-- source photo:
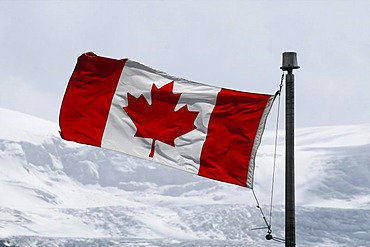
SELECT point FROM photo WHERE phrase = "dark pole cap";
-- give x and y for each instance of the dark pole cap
(289, 61)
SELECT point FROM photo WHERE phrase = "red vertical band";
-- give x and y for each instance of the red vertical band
(231, 132)
(87, 100)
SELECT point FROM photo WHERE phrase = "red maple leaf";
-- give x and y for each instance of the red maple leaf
(159, 120)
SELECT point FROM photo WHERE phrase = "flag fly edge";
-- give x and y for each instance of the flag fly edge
(87, 100)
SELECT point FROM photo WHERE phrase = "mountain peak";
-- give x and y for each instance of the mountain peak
(17, 126)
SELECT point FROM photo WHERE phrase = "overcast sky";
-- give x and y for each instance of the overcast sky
(232, 44)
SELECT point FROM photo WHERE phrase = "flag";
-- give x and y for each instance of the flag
(122, 105)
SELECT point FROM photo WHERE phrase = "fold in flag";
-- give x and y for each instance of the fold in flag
(125, 106)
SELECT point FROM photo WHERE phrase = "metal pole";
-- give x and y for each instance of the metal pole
(289, 64)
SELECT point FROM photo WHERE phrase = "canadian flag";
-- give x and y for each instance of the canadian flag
(128, 107)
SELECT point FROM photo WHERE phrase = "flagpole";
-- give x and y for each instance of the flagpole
(289, 63)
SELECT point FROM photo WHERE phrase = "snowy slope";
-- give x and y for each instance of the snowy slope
(332, 166)
(69, 194)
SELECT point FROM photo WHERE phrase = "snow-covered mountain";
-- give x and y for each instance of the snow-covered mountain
(58, 193)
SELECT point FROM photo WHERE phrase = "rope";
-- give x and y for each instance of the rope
(275, 146)
(263, 215)
(269, 224)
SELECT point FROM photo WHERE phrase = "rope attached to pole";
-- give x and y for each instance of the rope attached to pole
(275, 145)
(269, 223)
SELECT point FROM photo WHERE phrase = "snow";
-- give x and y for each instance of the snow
(17, 127)
(58, 193)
